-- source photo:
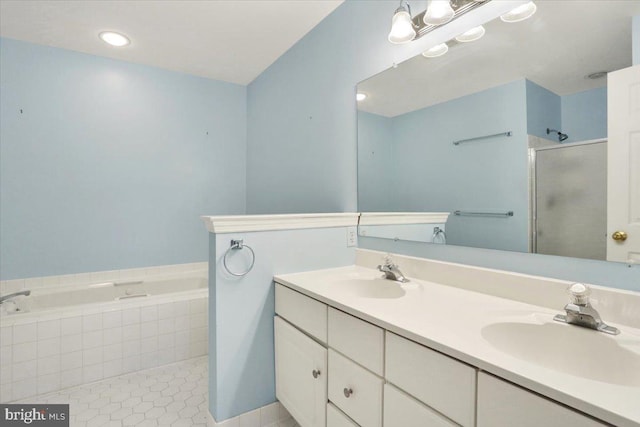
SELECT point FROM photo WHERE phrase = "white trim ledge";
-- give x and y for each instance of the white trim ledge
(385, 218)
(244, 223)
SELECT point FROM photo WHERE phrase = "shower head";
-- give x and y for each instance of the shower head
(561, 136)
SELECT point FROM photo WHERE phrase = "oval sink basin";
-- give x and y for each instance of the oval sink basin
(569, 349)
(372, 288)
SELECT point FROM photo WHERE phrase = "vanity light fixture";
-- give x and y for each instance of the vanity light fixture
(402, 30)
(361, 96)
(406, 28)
(114, 39)
(438, 12)
(520, 13)
(437, 50)
(471, 35)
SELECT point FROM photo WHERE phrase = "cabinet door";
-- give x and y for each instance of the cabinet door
(401, 410)
(501, 404)
(301, 375)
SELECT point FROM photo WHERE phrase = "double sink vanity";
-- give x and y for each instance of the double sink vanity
(454, 346)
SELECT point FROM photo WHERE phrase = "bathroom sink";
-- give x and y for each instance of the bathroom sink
(570, 349)
(372, 288)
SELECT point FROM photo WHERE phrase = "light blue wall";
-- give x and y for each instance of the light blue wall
(584, 115)
(543, 111)
(636, 39)
(376, 189)
(488, 175)
(241, 365)
(108, 165)
(302, 132)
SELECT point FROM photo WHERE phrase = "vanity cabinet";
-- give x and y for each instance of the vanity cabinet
(301, 369)
(336, 370)
(439, 381)
(502, 404)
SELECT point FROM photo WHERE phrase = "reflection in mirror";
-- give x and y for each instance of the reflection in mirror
(507, 133)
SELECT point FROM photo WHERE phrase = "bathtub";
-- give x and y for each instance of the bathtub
(115, 293)
(65, 336)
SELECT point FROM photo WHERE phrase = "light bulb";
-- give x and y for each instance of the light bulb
(437, 50)
(520, 13)
(471, 35)
(361, 96)
(402, 30)
(114, 39)
(439, 12)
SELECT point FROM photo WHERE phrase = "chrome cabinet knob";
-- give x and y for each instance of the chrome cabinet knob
(347, 392)
(315, 373)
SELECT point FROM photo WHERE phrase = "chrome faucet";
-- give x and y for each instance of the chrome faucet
(13, 295)
(581, 313)
(392, 271)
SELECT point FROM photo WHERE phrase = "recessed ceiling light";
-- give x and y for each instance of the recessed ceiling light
(361, 96)
(471, 35)
(437, 50)
(114, 39)
(520, 13)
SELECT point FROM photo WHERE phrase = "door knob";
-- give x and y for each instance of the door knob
(619, 236)
(315, 373)
(347, 392)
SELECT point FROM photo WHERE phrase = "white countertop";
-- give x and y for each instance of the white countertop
(451, 320)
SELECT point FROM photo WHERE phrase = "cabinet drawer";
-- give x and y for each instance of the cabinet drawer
(501, 404)
(357, 339)
(402, 410)
(364, 403)
(301, 372)
(304, 312)
(441, 382)
(335, 418)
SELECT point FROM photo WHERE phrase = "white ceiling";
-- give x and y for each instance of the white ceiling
(563, 42)
(233, 41)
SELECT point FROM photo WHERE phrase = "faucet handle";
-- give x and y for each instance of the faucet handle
(579, 293)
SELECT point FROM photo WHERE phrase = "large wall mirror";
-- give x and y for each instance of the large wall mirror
(507, 133)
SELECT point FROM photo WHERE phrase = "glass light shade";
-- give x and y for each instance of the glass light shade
(437, 50)
(471, 35)
(402, 30)
(361, 96)
(520, 13)
(439, 12)
(114, 39)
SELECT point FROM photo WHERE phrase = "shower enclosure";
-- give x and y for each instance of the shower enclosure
(569, 199)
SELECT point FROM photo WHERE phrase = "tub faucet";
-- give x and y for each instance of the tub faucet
(581, 313)
(13, 295)
(392, 271)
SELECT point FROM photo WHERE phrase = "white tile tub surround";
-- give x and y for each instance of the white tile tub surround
(273, 415)
(49, 351)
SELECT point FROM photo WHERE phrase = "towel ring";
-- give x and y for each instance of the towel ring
(238, 245)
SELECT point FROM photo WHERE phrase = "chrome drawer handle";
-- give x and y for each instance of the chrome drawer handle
(347, 392)
(315, 373)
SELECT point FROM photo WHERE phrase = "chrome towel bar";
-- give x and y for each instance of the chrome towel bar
(467, 213)
(477, 138)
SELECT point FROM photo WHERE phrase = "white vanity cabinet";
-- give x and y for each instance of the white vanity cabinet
(336, 370)
(301, 356)
(501, 404)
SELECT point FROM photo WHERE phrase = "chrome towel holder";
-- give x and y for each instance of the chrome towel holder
(238, 245)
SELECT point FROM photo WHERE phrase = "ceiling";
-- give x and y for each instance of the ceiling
(233, 41)
(556, 48)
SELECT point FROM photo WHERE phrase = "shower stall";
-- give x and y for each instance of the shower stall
(568, 203)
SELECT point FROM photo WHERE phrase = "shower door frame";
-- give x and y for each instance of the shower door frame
(533, 231)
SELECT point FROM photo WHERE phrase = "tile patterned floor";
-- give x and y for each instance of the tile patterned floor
(172, 395)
